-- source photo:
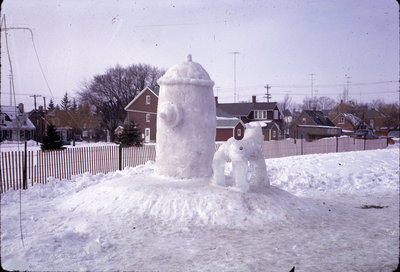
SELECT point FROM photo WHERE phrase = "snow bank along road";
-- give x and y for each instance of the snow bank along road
(326, 212)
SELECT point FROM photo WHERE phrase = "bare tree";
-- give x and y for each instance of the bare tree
(112, 91)
(325, 103)
(286, 104)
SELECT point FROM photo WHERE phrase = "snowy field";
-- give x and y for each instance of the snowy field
(325, 212)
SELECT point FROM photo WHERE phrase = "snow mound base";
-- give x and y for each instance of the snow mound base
(189, 203)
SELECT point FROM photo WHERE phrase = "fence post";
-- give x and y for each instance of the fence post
(365, 142)
(301, 141)
(24, 169)
(120, 157)
(337, 144)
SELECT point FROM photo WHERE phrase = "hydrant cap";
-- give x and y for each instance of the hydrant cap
(188, 72)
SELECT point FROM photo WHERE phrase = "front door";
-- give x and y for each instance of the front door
(147, 135)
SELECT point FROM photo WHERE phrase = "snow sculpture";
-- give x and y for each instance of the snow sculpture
(244, 154)
(186, 123)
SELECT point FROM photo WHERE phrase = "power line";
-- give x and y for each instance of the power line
(304, 86)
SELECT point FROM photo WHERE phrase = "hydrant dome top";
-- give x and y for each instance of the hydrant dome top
(188, 72)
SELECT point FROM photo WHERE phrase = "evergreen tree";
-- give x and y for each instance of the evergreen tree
(51, 105)
(131, 135)
(52, 140)
(66, 102)
(74, 106)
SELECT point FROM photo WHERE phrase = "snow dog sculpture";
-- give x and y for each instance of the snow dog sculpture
(244, 154)
(186, 123)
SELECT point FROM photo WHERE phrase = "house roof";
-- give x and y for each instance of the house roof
(227, 123)
(352, 118)
(319, 118)
(156, 92)
(11, 122)
(244, 109)
(373, 114)
(10, 110)
(221, 113)
(265, 124)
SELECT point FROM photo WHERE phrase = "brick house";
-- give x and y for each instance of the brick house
(375, 120)
(347, 122)
(228, 126)
(255, 111)
(38, 119)
(82, 124)
(312, 125)
(143, 111)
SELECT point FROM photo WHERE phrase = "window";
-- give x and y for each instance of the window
(255, 114)
(303, 121)
(276, 115)
(274, 134)
(239, 132)
(341, 120)
(147, 117)
(147, 99)
(259, 114)
(371, 123)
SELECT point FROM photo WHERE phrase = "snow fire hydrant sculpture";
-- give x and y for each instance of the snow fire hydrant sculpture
(244, 154)
(186, 123)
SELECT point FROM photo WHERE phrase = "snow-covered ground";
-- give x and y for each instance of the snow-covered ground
(325, 212)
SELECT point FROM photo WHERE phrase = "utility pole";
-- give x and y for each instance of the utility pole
(10, 77)
(34, 97)
(267, 95)
(217, 89)
(235, 94)
(36, 118)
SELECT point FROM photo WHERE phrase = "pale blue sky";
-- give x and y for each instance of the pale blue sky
(280, 43)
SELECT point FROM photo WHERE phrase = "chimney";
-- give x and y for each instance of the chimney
(253, 98)
(314, 109)
(216, 100)
(341, 101)
(21, 107)
(40, 108)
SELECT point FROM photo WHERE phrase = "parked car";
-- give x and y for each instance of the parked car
(365, 133)
(394, 134)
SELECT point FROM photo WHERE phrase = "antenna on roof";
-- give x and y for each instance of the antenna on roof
(267, 95)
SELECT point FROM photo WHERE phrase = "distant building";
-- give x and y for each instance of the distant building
(228, 126)
(38, 119)
(267, 112)
(348, 122)
(15, 124)
(375, 120)
(143, 111)
(312, 125)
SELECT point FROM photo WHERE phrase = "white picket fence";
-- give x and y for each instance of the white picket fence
(24, 169)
